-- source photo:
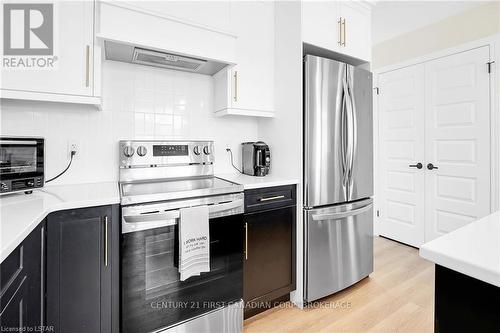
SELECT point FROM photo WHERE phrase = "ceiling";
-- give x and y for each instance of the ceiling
(394, 18)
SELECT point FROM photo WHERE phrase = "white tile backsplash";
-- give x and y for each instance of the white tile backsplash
(138, 103)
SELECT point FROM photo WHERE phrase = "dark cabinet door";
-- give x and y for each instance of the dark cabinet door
(21, 285)
(15, 314)
(269, 269)
(79, 269)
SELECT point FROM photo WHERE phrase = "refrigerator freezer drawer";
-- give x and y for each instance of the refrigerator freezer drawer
(339, 247)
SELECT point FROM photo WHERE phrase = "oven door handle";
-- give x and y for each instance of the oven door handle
(18, 142)
(143, 218)
(168, 218)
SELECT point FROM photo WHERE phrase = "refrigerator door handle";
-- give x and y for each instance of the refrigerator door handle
(353, 125)
(345, 136)
(341, 215)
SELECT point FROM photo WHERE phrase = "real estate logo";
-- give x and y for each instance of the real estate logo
(28, 36)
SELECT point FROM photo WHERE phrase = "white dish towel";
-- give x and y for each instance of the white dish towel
(194, 242)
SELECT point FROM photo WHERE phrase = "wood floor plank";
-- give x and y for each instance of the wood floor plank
(397, 297)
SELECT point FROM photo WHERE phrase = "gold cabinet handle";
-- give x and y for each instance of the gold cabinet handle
(105, 241)
(246, 241)
(235, 97)
(340, 31)
(87, 65)
(272, 198)
(344, 31)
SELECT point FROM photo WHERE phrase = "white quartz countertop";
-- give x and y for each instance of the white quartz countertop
(20, 213)
(472, 250)
(251, 182)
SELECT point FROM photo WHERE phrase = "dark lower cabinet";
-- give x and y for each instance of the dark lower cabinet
(82, 270)
(269, 266)
(21, 285)
(464, 304)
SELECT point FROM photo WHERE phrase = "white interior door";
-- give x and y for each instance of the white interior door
(457, 141)
(401, 142)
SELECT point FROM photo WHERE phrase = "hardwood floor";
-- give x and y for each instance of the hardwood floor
(397, 297)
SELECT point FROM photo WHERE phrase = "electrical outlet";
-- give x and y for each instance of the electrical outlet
(73, 146)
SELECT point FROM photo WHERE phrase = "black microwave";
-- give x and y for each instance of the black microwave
(22, 164)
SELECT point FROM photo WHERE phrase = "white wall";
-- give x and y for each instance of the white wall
(284, 132)
(139, 103)
(394, 18)
(469, 25)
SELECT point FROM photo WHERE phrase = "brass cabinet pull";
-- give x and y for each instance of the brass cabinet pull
(344, 37)
(87, 66)
(246, 241)
(235, 97)
(105, 241)
(340, 31)
(272, 198)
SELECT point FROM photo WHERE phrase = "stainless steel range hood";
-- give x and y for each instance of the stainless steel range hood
(150, 57)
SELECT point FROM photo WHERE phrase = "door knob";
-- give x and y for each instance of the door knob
(418, 165)
(431, 166)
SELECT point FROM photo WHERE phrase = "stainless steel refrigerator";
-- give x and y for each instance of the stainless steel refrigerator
(338, 176)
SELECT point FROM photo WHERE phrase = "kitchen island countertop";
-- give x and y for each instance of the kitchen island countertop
(473, 250)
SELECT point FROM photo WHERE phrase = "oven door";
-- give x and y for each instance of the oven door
(153, 297)
(21, 158)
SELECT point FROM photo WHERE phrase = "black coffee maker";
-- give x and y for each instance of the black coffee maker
(256, 158)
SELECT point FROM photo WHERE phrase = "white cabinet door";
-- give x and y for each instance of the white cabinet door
(356, 29)
(254, 72)
(457, 141)
(320, 24)
(213, 14)
(73, 46)
(248, 87)
(401, 142)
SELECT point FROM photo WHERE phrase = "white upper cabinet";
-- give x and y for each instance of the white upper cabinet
(248, 87)
(321, 24)
(339, 26)
(211, 14)
(157, 26)
(76, 71)
(356, 20)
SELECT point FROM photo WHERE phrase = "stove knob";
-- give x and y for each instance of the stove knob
(128, 151)
(142, 151)
(3, 187)
(196, 150)
(206, 150)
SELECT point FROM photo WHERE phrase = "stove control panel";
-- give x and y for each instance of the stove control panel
(135, 153)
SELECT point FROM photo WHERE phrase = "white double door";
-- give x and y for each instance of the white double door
(438, 113)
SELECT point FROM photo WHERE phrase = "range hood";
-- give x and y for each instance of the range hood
(156, 58)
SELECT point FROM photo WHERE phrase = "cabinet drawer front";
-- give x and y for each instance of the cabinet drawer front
(269, 197)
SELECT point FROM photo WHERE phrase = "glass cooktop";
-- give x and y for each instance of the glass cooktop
(157, 190)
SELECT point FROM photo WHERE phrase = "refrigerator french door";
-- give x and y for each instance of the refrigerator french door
(338, 175)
